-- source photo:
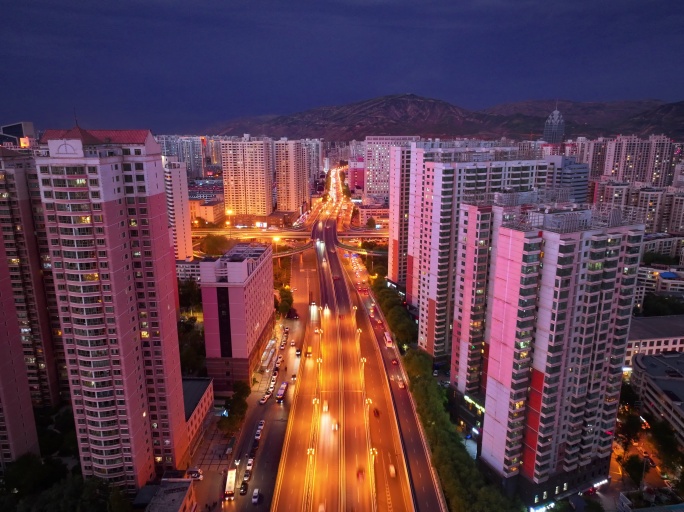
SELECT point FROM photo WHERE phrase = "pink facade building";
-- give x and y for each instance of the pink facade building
(237, 299)
(17, 426)
(541, 325)
(106, 218)
(427, 181)
(23, 233)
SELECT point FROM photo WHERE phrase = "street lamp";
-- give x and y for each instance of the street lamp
(229, 212)
(276, 239)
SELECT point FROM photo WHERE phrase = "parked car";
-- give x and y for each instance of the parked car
(250, 464)
(247, 476)
(262, 423)
(243, 488)
(263, 400)
(401, 384)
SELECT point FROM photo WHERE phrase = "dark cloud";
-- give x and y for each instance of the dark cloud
(181, 66)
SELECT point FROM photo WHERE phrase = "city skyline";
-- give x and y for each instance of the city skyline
(248, 60)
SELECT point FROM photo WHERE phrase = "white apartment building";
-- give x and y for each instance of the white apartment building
(557, 281)
(378, 163)
(439, 178)
(247, 165)
(292, 176)
(178, 207)
(653, 335)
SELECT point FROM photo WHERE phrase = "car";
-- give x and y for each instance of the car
(401, 384)
(292, 343)
(279, 358)
(298, 352)
(325, 406)
(376, 412)
(335, 425)
(257, 436)
(282, 345)
(250, 464)
(392, 471)
(195, 474)
(287, 329)
(244, 486)
(261, 423)
(255, 497)
(336, 278)
(294, 376)
(264, 399)
(435, 373)
(650, 462)
(275, 372)
(247, 476)
(278, 363)
(268, 394)
(395, 362)
(360, 473)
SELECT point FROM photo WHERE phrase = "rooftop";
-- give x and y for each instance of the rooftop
(97, 137)
(241, 252)
(170, 496)
(193, 391)
(653, 327)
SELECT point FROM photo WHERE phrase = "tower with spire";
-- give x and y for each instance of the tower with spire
(554, 128)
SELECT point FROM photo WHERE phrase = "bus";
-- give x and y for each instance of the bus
(280, 395)
(388, 340)
(229, 492)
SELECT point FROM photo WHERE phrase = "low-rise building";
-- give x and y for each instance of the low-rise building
(198, 399)
(237, 299)
(653, 335)
(659, 382)
(660, 279)
(186, 270)
(378, 213)
(211, 210)
(172, 495)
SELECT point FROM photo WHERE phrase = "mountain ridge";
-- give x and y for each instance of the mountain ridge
(410, 114)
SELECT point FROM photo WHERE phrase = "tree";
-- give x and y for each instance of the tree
(30, 475)
(371, 223)
(628, 431)
(635, 468)
(656, 305)
(666, 444)
(216, 245)
(189, 294)
(654, 257)
(628, 396)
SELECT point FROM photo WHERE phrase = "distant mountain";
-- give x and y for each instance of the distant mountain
(408, 114)
(593, 113)
(667, 119)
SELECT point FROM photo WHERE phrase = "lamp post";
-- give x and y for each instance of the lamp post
(229, 213)
(276, 239)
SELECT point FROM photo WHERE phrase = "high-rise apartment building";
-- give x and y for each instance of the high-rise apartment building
(104, 199)
(542, 320)
(291, 175)
(378, 162)
(20, 204)
(554, 128)
(635, 160)
(21, 348)
(178, 206)
(189, 149)
(313, 158)
(565, 172)
(247, 165)
(435, 176)
(237, 299)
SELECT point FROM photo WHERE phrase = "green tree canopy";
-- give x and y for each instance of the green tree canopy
(370, 224)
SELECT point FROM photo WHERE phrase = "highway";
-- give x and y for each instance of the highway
(338, 454)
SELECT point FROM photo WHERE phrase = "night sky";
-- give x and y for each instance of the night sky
(183, 66)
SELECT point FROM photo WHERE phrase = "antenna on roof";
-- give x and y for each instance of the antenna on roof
(76, 118)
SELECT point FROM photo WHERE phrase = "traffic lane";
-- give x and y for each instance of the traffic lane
(419, 463)
(384, 431)
(294, 457)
